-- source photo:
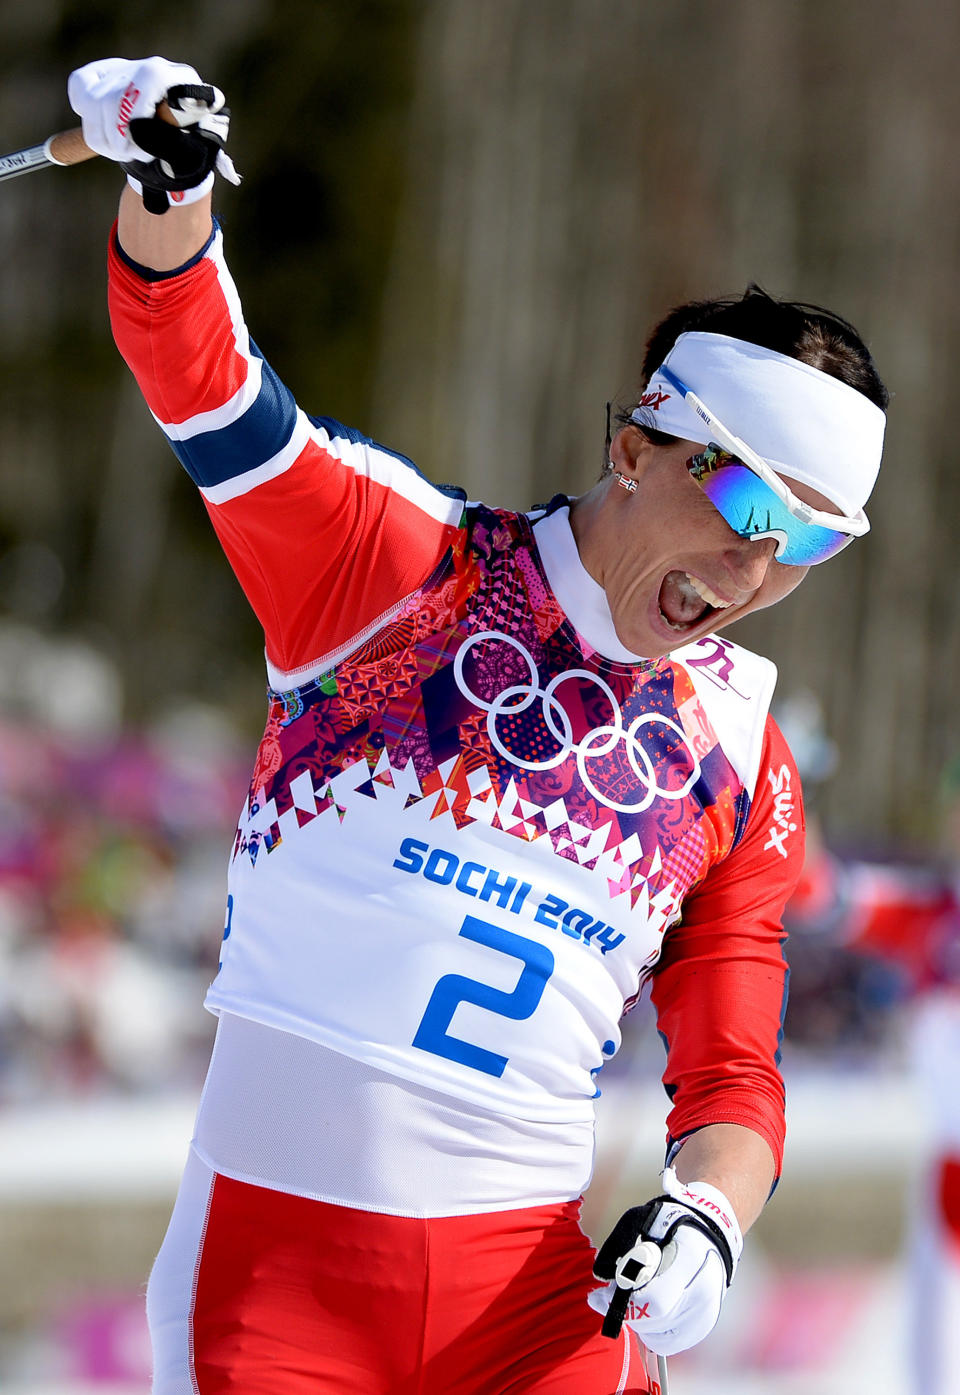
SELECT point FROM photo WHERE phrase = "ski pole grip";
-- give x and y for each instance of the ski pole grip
(70, 148)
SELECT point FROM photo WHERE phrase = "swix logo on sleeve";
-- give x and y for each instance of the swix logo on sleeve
(125, 110)
(784, 808)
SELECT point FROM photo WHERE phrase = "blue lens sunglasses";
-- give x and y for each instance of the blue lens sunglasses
(755, 501)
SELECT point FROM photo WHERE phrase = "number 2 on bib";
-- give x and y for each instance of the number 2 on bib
(454, 989)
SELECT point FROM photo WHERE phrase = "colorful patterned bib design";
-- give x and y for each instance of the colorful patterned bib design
(478, 698)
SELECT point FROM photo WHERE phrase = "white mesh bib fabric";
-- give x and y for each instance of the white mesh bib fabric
(284, 1112)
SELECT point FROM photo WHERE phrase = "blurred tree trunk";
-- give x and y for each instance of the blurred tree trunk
(508, 318)
(575, 168)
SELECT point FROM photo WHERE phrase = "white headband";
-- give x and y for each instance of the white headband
(806, 424)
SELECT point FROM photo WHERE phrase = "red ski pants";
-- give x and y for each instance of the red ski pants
(264, 1293)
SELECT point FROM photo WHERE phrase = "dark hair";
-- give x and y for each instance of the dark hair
(806, 332)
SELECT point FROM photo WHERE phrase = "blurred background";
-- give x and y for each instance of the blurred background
(459, 219)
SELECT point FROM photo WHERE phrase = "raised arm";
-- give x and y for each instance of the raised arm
(167, 242)
(327, 532)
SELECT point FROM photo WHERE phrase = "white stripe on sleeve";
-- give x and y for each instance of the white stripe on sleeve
(270, 469)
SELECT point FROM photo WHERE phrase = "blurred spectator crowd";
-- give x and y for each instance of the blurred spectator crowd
(869, 935)
(113, 848)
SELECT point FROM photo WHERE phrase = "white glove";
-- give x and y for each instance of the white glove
(109, 93)
(669, 1264)
(117, 99)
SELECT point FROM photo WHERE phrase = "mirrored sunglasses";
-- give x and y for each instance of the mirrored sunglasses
(755, 501)
(752, 509)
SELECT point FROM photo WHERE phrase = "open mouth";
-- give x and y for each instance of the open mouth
(686, 601)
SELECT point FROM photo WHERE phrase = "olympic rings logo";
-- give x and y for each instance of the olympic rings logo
(519, 697)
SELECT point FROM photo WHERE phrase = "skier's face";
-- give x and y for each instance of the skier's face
(673, 570)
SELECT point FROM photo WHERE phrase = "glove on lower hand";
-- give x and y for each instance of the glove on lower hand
(668, 1264)
(117, 100)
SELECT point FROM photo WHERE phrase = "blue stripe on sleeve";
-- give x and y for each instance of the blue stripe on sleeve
(214, 457)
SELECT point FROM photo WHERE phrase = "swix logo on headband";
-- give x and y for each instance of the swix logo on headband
(654, 399)
(125, 110)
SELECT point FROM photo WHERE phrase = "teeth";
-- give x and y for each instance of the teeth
(679, 628)
(704, 592)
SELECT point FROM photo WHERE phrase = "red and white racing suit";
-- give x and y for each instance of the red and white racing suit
(476, 826)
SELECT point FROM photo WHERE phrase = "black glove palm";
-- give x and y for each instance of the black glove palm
(183, 155)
